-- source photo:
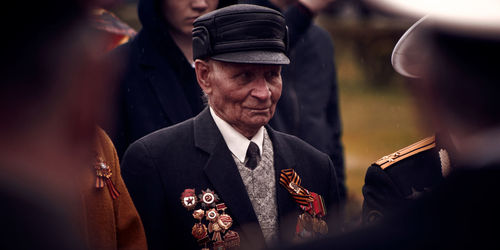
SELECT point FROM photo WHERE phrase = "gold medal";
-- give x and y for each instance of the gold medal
(212, 215)
(199, 214)
(225, 221)
(307, 221)
(231, 239)
(199, 231)
(216, 229)
(103, 173)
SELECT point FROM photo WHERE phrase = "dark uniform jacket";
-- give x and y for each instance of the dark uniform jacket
(461, 213)
(397, 179)
(193, 154)
(309, 104)
(159, 87)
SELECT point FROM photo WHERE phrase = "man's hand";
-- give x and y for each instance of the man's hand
(315, 6)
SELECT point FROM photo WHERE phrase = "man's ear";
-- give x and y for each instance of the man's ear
(203, 70)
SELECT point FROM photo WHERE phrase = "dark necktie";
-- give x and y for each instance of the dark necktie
(252, 155)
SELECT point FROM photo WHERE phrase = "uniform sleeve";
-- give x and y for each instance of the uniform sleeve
(144, 184)
(380, 194)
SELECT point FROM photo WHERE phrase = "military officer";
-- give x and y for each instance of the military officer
(395, 180)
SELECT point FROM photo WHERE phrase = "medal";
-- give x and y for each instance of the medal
(225, 221)
(199, 214)
(217, 234)
(219, 245)
(199, 231)
(103, 173)
(208, 198)
(231, 239)
(310, 222)
(188, 199)
(212, 215)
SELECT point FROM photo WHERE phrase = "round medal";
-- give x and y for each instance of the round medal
(212, 215)
(231, 239)
(307, 221)
(199, 231)
(225, 221)
(188, 199)
(208, 198)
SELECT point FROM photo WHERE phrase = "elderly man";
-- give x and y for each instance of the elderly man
(226, 162)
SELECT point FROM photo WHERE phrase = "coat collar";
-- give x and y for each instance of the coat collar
(223, 173)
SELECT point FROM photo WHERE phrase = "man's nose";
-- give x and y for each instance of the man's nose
(200, 5)
(261, 90)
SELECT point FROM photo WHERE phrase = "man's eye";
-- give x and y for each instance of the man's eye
(272, 75)
(245, 76)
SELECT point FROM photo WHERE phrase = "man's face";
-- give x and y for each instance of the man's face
(180, 14)
(244, 95)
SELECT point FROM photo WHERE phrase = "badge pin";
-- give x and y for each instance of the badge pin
(189, 199)
(208, 198)
(103, 177)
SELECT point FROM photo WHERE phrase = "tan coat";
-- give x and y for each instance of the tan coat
(110, 224)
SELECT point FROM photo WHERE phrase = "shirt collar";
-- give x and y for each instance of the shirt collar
(235, 141)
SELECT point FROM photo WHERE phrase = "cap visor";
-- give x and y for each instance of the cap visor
(253, 57)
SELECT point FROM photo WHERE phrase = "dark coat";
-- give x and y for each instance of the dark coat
(193, 154)
(159, 87)
(462, 213)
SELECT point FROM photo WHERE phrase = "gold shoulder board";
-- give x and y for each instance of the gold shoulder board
(415, 148)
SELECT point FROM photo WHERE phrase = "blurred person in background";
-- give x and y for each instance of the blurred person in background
(111, 220)
(54, 86)
(454, 54)
(396, 180)
(159, 86)
(309, 105)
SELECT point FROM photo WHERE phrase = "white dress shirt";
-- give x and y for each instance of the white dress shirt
(235, 141)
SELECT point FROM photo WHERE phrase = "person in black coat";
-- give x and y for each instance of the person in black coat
(159, 87)
(241, 78)
(309, 104)
(454, 78)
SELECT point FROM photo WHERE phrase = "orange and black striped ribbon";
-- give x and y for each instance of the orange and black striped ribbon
(291, 181)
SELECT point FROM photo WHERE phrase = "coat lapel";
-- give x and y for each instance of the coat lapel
(287, 208)
(223, 173)
(165, 85)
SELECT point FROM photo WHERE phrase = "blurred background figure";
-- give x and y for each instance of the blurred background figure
(116, 31)
(396, 180)
(112, 221)
(55, 86)
(309, 104)
(159, 86)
